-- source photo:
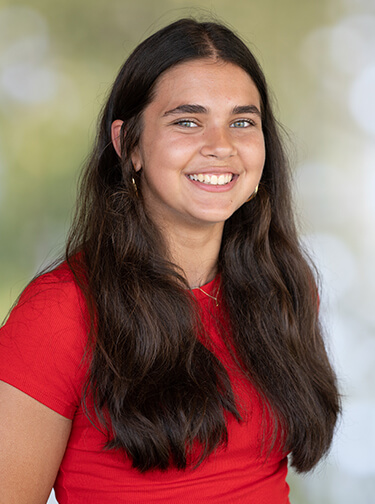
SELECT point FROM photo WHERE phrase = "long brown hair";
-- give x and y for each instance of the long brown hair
(156, 388)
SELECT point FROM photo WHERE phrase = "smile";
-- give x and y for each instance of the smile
(212, 179)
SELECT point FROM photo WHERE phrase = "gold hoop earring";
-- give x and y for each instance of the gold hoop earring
(253, 194)
(135, 187)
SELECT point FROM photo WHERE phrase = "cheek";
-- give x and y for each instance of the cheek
(255, 156)
(261, 148)
(263, 158)
(171, 156)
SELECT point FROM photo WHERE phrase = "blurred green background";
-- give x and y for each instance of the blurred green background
(57, 61)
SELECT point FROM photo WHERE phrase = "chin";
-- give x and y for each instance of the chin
(214, 218)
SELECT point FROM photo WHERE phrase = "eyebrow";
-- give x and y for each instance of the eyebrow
(246, 109)
(199, 109)
(187, 109)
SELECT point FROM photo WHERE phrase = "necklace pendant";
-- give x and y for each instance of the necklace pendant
(215, 298)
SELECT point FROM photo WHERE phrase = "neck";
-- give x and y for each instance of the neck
(196, 252)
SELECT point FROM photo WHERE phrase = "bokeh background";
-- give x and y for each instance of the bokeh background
(57, 61)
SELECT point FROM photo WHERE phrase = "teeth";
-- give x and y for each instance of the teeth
(212, 179)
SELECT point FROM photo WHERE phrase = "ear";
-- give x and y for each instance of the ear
(136, 159)
(116, 135)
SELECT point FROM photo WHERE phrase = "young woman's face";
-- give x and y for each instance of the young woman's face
(201, 150)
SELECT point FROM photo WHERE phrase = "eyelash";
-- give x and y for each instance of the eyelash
(183, 122)
(248, 121)
(193, 124)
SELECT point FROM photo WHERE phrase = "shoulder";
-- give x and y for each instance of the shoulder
(45, 339)
(56, 286)
(51, 305)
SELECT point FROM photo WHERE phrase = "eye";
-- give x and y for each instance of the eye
(242, 123)
(186, 123)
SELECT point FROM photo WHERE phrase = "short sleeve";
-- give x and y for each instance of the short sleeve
(43, 342)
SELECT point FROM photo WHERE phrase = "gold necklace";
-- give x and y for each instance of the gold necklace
(212, 297)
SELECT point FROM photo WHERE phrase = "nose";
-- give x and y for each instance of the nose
(218, 143)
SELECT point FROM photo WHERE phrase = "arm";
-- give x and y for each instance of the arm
(42, 346)
(33, 441)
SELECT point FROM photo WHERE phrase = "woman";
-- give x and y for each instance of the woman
(176, 355)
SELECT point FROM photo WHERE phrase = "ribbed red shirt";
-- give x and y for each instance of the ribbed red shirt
(41, 353)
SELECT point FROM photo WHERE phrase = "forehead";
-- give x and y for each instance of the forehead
(208, 80)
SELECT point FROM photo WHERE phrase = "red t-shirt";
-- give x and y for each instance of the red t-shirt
(42, 349)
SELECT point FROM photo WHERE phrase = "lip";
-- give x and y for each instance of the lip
(213, 188)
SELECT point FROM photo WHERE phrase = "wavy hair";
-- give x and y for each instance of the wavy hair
(157, 389)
